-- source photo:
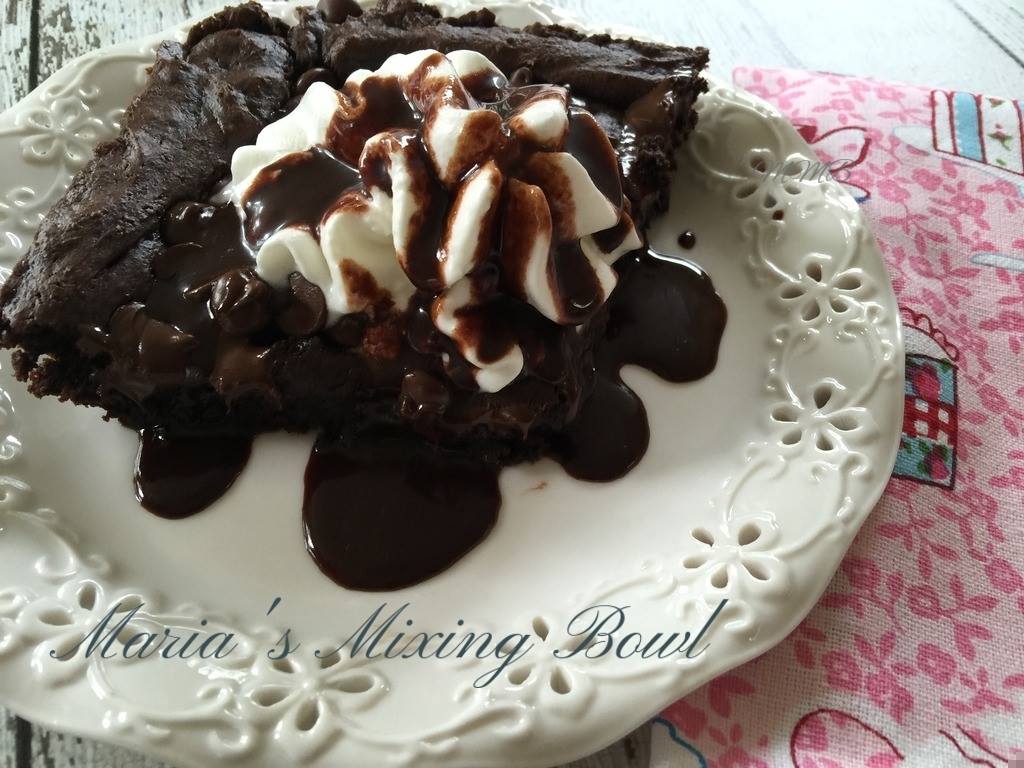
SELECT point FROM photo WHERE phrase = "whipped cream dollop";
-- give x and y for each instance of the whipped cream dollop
(433, 174)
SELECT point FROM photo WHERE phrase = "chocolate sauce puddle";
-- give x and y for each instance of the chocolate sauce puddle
(392, 511)
(664, 315)
(176, 477)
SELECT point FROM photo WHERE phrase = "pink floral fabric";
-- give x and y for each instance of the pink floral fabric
(915, 654)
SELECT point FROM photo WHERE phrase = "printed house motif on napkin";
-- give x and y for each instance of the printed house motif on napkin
(928, 447)
(984, 129)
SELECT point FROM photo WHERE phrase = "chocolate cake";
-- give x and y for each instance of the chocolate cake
(216, 272)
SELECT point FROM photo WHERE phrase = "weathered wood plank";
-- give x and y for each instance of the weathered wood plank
(67, 30)
(732, 29)
(927, 43)
(15, 735)
(7, 740)
(15, 37)
(1003, 23)
(56, 750)
(900, 41)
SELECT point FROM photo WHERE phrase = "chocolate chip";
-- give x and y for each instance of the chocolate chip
(181, 223)
(349, 330)
(240, 302)
(316, 75)
(423, 395)
(241, 369)
(152, 345)
(306, 310)
(336, 11)
(421, 332)
(522, 76)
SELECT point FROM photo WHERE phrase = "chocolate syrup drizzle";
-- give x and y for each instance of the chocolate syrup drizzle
(389, 507)
(296, 191)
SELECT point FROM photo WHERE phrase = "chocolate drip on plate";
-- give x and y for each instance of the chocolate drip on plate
(394, 511)
(664, 315)
(609, 435)
(176, 477)
(388, 502)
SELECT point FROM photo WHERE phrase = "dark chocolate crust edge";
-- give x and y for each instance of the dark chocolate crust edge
(94, 249)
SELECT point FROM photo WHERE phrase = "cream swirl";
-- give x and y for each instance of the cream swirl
(431, 174)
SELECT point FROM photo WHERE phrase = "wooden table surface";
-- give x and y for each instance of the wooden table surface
(973, 45)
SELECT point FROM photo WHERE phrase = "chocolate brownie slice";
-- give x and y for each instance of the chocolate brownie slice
(100, 311)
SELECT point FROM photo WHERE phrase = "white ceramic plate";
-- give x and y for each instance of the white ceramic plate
(756, 480)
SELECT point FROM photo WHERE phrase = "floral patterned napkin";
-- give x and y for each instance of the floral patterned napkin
(915, 654)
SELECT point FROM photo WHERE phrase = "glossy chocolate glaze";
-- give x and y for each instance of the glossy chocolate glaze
(338, 11)
(665, 316)
(174, 336)
(576, 285)
(587, 143)
(176, 477)
(381, 106)
(426, 227)
(315, 75)
(486, 86)
(392, 510)
(296, 191)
